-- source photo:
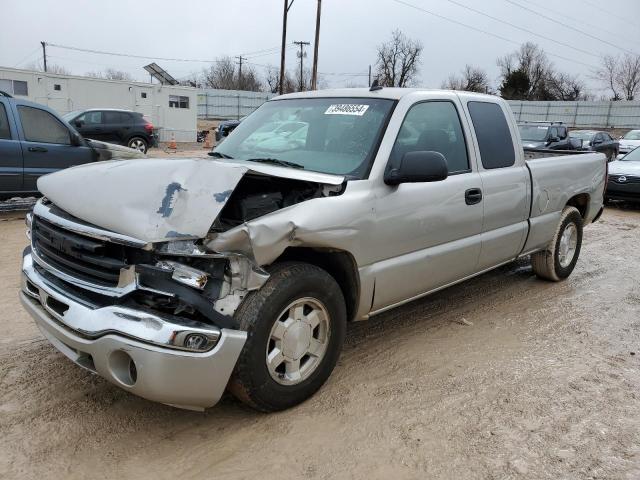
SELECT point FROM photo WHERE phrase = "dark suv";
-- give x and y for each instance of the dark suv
(115, 126)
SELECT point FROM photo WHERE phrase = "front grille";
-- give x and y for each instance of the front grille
(627, 179)
(85, 258)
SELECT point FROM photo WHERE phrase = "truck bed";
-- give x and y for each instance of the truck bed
(555, 179)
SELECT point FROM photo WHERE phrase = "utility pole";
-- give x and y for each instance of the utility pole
(301, 55)
(44, 54)
(240, 80)
(314, 73)
(369, 75)
(287, 6)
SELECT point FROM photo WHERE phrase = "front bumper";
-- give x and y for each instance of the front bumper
(123, 345)
(628, 191)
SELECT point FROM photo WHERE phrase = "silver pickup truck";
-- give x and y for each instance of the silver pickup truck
(179, 279)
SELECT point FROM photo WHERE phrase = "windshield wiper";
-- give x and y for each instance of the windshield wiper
(219, 155)
(276, 161)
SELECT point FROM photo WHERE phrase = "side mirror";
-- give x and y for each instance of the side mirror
(76, 139)
(78, 123)
(553, 140)
(421, 166)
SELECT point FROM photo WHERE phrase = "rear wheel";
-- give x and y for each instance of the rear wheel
(557, 261)
(138, 143)
(295, 328)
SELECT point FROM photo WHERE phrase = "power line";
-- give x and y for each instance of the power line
(569, 26)
(586, 24)
(505, 39)
(25, 58)
(128, 55)
(523, 29)
(608, 12)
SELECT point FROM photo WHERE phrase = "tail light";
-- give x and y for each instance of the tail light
(148, 127)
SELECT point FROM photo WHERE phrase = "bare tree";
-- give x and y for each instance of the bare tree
(621, 75)
(398, 61)
(220, 74)
(225, 74)
(111, 74)
(629, 75)
(608, 73)
(472, 79)
(563, 86)
(51, 68)
(528, 61)
(272, 80)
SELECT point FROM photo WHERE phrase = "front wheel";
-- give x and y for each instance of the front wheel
(295, 328)
(558, 260)
(138, 143)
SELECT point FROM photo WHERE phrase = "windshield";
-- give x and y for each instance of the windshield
(582, 135)
(70, 115)
(632, 135)
(632, 156)
(328, 135)
(533, 133)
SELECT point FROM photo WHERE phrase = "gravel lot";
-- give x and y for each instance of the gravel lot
(504, 376)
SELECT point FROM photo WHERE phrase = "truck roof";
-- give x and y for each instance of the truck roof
(392, 93)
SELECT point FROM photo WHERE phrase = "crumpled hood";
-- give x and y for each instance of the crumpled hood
(157, 200)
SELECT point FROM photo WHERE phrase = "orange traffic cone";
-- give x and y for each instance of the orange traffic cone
(172, 144)
(207, 140)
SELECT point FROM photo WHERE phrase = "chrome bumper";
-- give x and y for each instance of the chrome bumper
(134, 350)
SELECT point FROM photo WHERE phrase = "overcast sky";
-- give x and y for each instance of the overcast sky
(350, 31)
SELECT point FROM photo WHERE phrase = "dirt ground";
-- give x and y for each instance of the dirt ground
(502, 377)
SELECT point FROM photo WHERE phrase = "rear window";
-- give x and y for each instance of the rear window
(494, 137)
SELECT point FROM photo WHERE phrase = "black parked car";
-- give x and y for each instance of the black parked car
(593, 139)
(547, 136)
(123, 127)
(225, 128)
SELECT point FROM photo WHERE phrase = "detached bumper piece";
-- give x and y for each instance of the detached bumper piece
(157, 357)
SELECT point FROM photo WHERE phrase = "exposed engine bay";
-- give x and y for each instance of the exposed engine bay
(259, 195)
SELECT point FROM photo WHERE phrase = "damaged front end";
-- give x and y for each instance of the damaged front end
(126, 278)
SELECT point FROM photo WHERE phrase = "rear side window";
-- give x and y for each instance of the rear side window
(432, 126)
(494, 137)
(40, 126)
(112, 118)
(5, 131)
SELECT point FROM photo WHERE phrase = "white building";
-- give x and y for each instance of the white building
(173, 110)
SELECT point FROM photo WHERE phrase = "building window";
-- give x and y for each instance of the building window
(143, 94)
(14, 87)
(178, 102)
(56, 86)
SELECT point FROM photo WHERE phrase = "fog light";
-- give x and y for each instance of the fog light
(196, 341)
(184, 274)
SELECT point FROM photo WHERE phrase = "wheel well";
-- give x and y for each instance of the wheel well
(581, 202)
(338, 263)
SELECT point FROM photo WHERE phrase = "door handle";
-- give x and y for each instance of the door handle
(38, 149)
(473, 196)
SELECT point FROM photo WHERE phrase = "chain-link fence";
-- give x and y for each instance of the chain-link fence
(620, 114)
(229, 104)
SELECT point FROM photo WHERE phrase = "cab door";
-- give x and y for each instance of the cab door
(10, 151)
(46, 145)
(505, 183)
(430, 232)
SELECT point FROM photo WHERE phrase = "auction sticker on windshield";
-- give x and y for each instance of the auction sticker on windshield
(346, 109)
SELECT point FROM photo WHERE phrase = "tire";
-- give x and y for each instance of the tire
(271, 388)
(138, 143)
(556, 262)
